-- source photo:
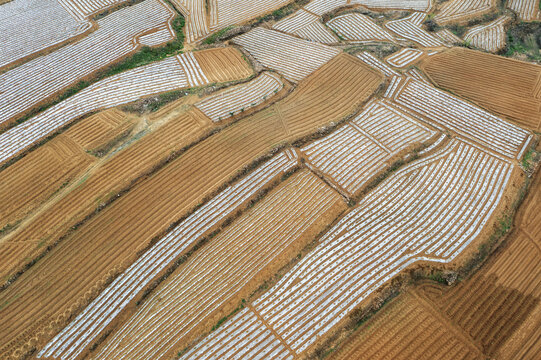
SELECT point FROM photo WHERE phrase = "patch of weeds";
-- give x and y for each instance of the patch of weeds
(466, 44)
(224, 319)
(217, 36)
(524, 39)
(438, 277)
(527, 159)
(457, 29)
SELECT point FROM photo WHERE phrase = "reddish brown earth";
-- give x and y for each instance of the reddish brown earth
(505, 86)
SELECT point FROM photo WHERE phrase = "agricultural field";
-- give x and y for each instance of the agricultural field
(233, 179)
(494, 314)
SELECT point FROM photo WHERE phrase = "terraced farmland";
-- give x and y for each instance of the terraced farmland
(16, 18)
(298, 58)
(463, 10)
(323, 287)
(490, 37)
(357, 152)
(234, 179)
(113, 40)
(292, 118)
(410, 28)
(249, 249)
(182, 71)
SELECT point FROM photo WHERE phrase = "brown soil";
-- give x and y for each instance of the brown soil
(508, 87)
(42, 299)
(33, 179)
(407, 329)
(97, 131)
(223, 64)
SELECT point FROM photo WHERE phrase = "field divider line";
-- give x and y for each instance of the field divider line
(457, 331)
(530, 237)
(342, 192)
(279, 112)
(373, 139)
(268, 326)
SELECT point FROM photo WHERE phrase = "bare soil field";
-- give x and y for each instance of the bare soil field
(100, 130)
(223, 64)
(36, 177)
(508, 87)
(407, 328)
(98, 188)
(111, 239)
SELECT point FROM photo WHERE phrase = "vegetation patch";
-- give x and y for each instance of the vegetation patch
(524, 41)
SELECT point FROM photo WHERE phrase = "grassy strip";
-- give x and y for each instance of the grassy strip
(144, 56)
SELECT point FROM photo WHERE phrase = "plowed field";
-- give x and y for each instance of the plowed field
(109, 241)
(96, 188)
(206, 288)
(407, 329)
(223, 64)
(99, 130)
(36, 177)
(509, 87)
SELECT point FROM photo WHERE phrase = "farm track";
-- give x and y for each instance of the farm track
(114, 175)
(508, 87)
(157, 201)
(173, 73)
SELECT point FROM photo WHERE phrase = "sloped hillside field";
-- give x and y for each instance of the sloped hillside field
(309, 179)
